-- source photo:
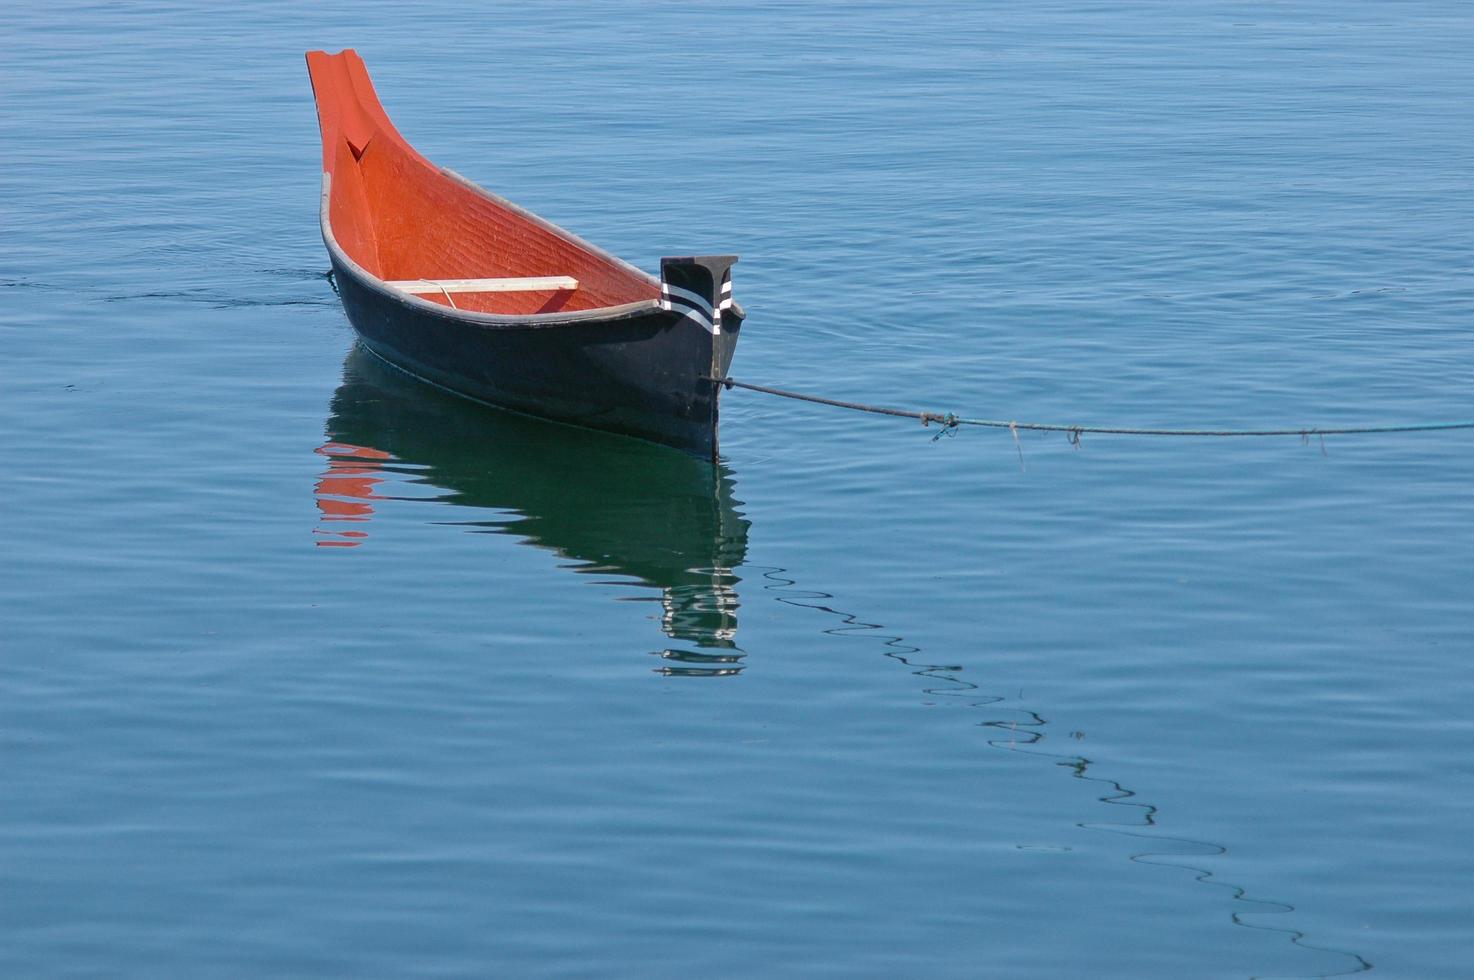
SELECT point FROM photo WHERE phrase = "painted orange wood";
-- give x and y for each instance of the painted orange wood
(400, 217)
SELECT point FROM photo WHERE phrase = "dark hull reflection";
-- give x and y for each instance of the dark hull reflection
(614, 507)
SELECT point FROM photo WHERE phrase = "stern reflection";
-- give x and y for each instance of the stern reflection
(614, 507)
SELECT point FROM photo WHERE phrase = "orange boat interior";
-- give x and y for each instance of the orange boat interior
(402, 218)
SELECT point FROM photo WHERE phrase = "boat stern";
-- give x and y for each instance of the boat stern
(698, 288)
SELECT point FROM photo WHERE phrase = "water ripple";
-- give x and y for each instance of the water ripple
(1025, 732)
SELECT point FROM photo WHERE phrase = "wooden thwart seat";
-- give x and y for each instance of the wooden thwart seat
(522, 285)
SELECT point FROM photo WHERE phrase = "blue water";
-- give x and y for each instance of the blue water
(305, 671)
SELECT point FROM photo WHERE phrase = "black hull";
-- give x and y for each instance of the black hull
(636, 372)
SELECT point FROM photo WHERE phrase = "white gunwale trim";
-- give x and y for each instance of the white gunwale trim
(695, 299)
(526, 284)
(701, 318)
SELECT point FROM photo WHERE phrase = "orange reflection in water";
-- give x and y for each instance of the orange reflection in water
(344, 492)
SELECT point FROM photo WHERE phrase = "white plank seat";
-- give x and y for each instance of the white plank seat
(522, 285)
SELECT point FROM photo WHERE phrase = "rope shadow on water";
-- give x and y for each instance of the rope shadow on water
(1026, 733)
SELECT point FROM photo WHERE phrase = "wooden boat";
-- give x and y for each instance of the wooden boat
(466, 290)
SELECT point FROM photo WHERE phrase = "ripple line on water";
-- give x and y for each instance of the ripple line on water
(213, 297)
(1024, 737)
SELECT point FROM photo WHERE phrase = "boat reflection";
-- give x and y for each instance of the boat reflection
(615, 507)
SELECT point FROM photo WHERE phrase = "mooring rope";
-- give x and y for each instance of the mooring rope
(950, 421)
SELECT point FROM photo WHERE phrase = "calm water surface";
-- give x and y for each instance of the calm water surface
(305, 670)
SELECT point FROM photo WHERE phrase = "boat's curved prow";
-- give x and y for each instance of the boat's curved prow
(351, 119)
(348, 108)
